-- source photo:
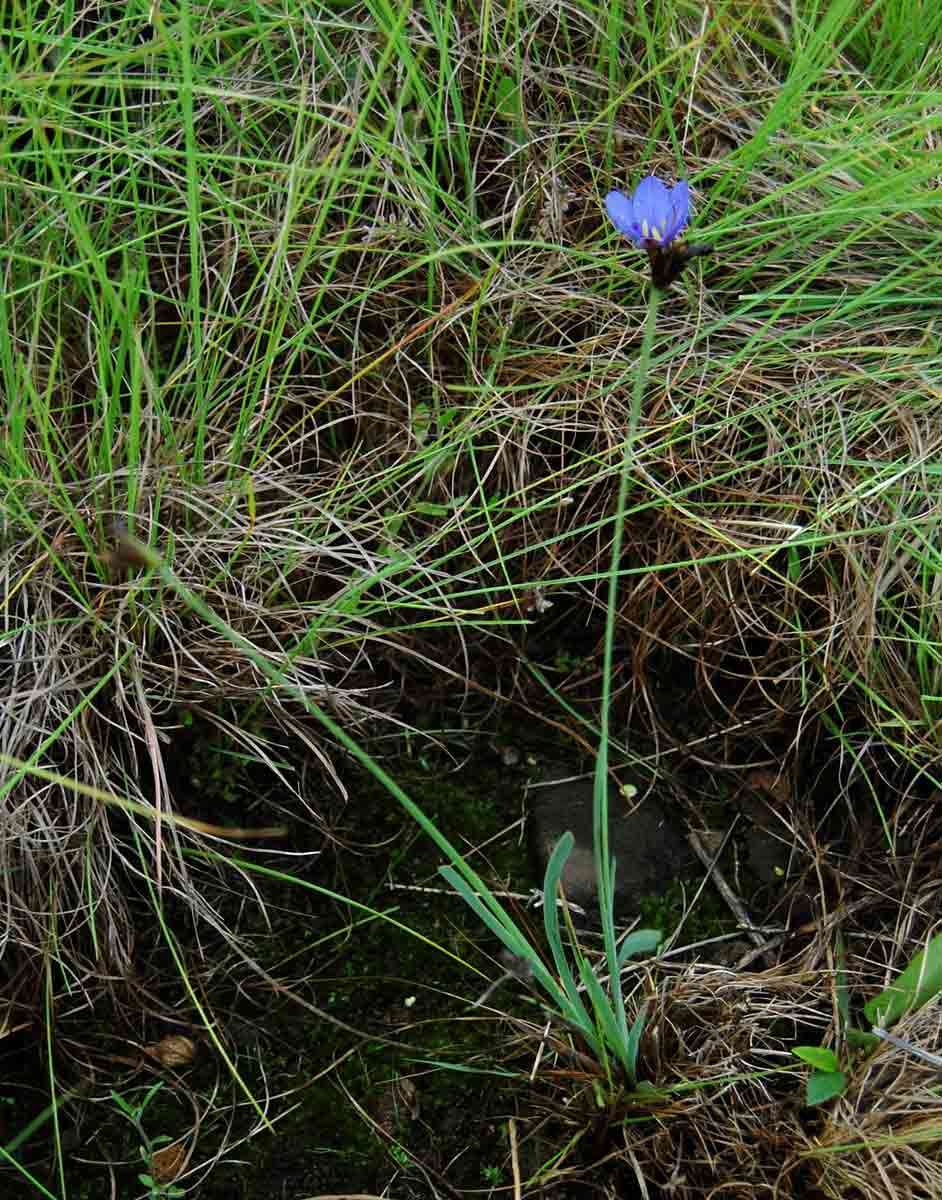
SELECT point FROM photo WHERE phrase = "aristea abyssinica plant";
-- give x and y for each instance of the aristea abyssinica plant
(652, 219)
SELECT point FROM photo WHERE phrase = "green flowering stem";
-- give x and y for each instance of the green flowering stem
(604, 867)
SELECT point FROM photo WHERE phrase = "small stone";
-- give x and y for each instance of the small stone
(649, 848)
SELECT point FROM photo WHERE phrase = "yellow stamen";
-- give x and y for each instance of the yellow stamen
(656, 233)
(645, 231)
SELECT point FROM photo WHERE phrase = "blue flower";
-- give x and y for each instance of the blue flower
(654, 216)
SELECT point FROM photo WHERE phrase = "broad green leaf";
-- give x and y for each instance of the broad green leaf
(818, 1057)
(914, 987)
(824, 1085)
(642, 941)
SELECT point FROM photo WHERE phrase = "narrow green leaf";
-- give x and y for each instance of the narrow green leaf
(517, 944)
(824, 1085)
(607, 1033)
(634, 1041)
(551, 878)
(841, 985)
(508, 933)
(506, 99)
(130, 1110)
(914, 987)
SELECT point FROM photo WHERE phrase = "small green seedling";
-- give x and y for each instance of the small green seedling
(826, 1080)
(135, 1113)
(915, 986)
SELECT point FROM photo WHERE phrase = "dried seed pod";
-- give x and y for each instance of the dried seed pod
(174, 1050)
(167, 1163)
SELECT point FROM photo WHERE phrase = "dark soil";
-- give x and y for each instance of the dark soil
(368, 1066)
(349, 1111)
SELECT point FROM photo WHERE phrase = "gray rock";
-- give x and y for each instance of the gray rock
(650, 849)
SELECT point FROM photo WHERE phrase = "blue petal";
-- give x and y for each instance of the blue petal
(679, 209)
(651, 205)
(618, 206)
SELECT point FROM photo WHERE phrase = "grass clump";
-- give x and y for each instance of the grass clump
(319, 303)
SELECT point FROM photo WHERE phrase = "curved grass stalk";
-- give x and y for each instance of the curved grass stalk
(603, 1023)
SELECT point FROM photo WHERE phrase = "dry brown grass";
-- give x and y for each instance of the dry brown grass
(729, 1119)
(417, 379)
